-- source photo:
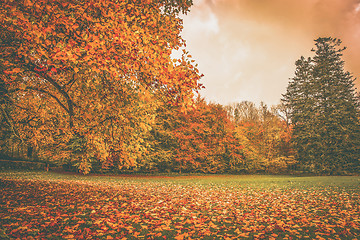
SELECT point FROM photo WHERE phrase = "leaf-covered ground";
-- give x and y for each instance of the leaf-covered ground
(56, 206)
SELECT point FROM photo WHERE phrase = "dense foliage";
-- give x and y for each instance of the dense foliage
(80, 80)
(265, 136)
(200, 140)
(324, 111)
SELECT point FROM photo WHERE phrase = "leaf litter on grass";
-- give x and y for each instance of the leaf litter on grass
(78, 209)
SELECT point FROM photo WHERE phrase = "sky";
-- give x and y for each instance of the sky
(247, 49)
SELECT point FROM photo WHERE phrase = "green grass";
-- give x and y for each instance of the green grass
(349, 183)
(56, 205)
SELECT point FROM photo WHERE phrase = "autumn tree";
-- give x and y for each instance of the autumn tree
(201, 139)
(265, 137)
(325, 111)
(83, 77)
(206, 140)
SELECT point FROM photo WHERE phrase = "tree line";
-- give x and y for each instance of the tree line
(92, 85)
(208, 138)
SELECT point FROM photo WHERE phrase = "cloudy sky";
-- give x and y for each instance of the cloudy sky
(247, 48)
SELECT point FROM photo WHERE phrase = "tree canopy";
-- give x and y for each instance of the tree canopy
(80, 79)
(324, 111)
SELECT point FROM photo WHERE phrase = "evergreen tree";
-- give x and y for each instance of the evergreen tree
(324, 111)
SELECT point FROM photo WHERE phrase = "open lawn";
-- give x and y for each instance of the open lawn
(52, 205)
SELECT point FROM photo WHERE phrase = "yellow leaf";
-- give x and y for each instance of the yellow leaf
(16, 70)
(69, 237)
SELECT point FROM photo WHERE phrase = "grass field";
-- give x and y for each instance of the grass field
(52, 205)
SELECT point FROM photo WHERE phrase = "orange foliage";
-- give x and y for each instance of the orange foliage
(267, 141)
(199, 140)
(82, 76)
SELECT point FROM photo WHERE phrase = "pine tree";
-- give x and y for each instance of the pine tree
(324, 111)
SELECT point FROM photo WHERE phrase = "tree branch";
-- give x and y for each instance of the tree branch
(51, 95)
(70, 105)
